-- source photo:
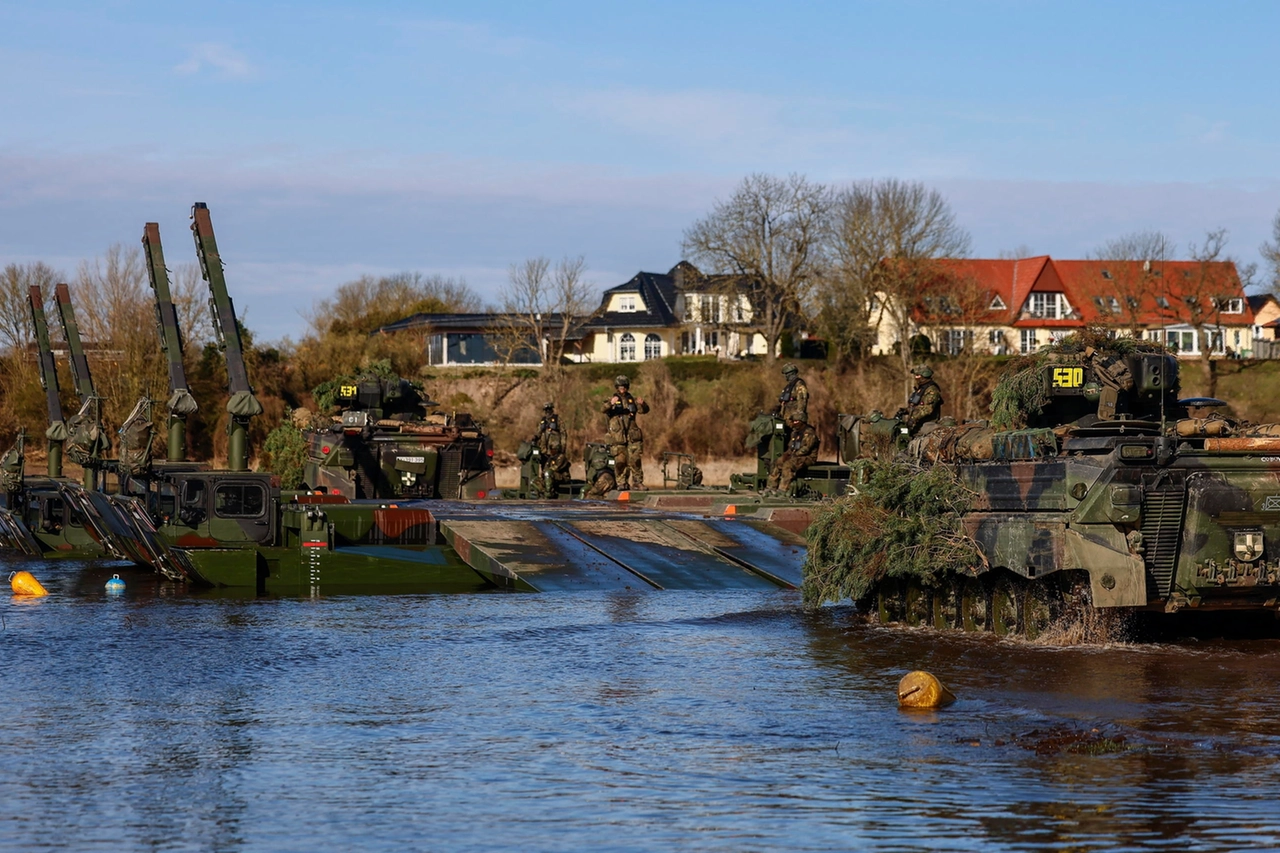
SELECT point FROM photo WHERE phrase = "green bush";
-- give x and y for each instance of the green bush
(285, 453)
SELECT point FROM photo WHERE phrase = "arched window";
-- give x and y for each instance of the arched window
(652, 347)
(627, 347)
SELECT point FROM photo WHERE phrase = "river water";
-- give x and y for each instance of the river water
(162, 720)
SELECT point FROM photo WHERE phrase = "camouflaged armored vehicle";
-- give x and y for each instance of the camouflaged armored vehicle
(386, 442)
(1093, 485)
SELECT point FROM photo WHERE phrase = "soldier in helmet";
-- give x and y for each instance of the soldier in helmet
(554, 459)
(550, 420)
(626, 440)
(794, 399)
(802, 450)
(600, 479)
(925, 403)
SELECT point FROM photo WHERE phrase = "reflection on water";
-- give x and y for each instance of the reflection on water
(726, 721)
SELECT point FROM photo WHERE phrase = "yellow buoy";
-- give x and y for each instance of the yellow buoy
(920, 689)
(24, 583)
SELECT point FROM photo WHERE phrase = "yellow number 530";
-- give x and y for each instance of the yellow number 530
(1068, 377)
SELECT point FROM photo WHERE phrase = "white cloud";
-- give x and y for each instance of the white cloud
(220, 58)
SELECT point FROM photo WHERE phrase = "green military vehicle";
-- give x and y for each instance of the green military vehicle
(386, 442)
(1093, 488)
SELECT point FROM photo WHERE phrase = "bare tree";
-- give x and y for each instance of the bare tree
(191, 297)
(1137, 258)
(888, 237)
(1208, 289)
(1270, 251)
(543, 307)
(956, 309)
(768, 236)
(115, 311)
(1017, 253)
(15, 316)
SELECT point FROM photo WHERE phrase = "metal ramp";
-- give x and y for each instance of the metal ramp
(544, 547)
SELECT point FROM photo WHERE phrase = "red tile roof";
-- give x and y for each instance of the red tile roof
(1090, 292)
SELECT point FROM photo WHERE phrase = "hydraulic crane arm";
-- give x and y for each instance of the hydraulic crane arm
(57, 431)
(181, 404)
(243, 405)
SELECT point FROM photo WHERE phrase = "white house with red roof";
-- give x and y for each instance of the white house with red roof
(1017, 306)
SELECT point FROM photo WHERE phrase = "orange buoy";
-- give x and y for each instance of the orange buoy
(24, 583)
(920, 689)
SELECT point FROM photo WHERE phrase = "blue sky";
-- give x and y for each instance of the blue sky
(331, 140)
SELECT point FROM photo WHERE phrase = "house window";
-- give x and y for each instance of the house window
(1114, 304)
(1044, 305)
(627, 347)
(957, 340)
(652, 347)
(740, 312)
(1182, 341)
(1027, 341)
(997, 341)
(710, 309)
(1229, 306)
(627, 304)
(1106, 274)
(1162, 302)
(997, 304)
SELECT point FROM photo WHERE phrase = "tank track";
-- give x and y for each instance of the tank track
(998, 602)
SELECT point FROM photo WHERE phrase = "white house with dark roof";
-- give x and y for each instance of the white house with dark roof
(654, 315)
(680, 312)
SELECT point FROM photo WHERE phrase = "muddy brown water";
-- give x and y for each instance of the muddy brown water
(167, 720)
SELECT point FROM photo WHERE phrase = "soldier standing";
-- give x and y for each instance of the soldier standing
(794, 399)
(925, 403)
(626, 440)
(551, 450)
(802, 450)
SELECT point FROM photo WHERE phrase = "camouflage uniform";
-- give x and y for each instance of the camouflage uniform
(626, 440)
(551, 453)
(602, 486)
(600, 479)
(925, 404)
(794, 399)
(801, 450)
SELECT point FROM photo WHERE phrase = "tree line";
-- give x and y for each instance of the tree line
(834, 259)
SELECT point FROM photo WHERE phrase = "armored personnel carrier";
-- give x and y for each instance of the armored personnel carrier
(1093, 486)
(386, 442)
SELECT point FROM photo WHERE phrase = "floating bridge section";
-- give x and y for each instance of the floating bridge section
(545, 547)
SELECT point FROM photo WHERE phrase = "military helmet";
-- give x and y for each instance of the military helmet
(790, 370)
(922, 371)
(622, 381)
(547, 407)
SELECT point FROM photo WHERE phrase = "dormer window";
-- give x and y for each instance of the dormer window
(1228, 306)
(1106, 274)
(627, 303)
(1162, 302)
(997, 304)
(1113, 304)
(1048, 305)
